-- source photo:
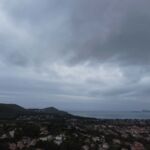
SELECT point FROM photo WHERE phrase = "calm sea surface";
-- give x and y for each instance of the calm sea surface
(113, 114)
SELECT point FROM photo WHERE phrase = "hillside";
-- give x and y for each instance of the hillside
(53, 110)
(8, 111)
(10, 108)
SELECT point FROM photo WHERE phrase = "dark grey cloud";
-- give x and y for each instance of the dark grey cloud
(68, 53)
(112, 31)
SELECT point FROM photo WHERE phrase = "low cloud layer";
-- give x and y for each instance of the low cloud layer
(90, 55)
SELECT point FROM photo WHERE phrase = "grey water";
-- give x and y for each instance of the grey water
(113, 114)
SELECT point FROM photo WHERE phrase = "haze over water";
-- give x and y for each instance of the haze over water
(113, 114)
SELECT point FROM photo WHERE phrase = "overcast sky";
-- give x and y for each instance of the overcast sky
(75, 54)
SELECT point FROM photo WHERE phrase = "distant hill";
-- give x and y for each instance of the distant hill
(53, 110)
(8, 111)
(10, 108)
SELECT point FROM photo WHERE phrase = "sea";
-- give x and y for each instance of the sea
(113, 114)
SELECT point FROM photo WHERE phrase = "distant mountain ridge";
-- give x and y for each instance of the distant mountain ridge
(13, 110)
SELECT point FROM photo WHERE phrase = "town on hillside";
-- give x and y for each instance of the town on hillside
(58, 130)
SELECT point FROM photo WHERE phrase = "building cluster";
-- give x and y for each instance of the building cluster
(75, 134)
